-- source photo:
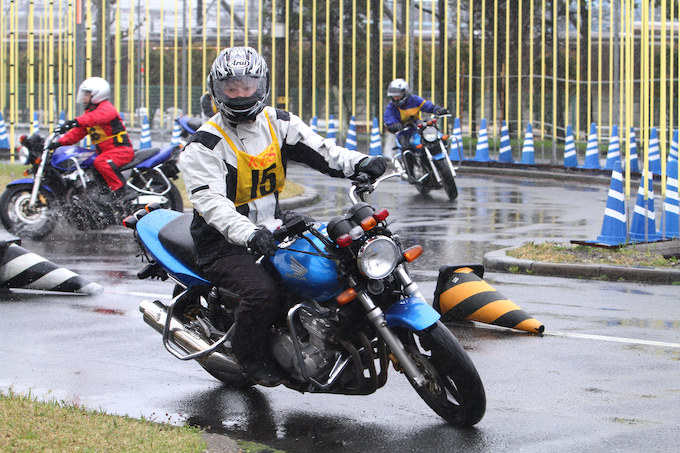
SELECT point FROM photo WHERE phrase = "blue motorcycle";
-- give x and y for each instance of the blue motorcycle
(66, 185)
(353, 310)
(425, 161)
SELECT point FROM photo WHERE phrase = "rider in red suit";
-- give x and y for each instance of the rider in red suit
(106, 129)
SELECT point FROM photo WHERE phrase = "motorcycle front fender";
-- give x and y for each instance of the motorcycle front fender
(413, 313)
(27, 181)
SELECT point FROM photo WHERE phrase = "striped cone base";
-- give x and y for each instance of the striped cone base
(482, 150)
(375, 147)
(614, 226)
(20, 268)
(672, 154)
(654, 152)
(528, 147)
(570, 158)
(4, 141)
(592, 159)
(462, 294)
(505, 153)
(351, 140)
(671, 205)
(145, 138)
(456, 149)
(614, 151)
(634, 167)
(176, 138)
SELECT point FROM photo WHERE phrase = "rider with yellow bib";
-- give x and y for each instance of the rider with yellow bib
(234, 167)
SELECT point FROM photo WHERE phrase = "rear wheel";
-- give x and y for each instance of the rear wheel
(152, 181)
(19, 218)
(448, 180)
(453, 388)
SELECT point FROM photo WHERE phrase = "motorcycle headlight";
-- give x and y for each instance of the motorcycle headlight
(430, 134)
(378, 257)
(23, 156)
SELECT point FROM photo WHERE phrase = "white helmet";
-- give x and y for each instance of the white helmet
(98, 88)
(399, 87)
(239, 70)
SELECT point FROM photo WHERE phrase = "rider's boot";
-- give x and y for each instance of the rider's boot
(259, 365)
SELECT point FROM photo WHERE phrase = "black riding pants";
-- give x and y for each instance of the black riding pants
(261, 295)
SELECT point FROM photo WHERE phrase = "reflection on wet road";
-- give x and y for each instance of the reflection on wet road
(605, 376)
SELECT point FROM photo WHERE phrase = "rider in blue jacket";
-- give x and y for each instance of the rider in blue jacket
(405, 106)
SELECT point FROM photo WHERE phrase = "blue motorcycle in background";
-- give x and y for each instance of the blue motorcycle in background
(65, 184)
(425, 162)
(352, 310)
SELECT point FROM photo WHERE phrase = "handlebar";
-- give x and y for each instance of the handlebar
(363, 187)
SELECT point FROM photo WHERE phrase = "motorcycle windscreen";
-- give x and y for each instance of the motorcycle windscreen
(148, 228)
(63, 157)
(306, 273)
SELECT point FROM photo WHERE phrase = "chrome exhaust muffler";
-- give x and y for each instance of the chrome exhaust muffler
(155, 314)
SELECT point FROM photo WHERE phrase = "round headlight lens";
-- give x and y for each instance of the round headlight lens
(430, 134)
(378, 257)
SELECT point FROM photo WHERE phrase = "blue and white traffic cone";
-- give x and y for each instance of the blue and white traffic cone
(145, 137)
(176, 138)
(4, 140)
(614, 226)
(20, 268)
(36, 125)
(505, 153)
(528, 147)
(643, 225)
(314, 124)
(654, 152)
(456, 149)
(634, 167)
(592, 160)
(351, 141)
(570, 158)
(331, 130)
(375, 148)
(62, 119)
(482, 150)
(671, 205)
(673, 153)
(614, 150)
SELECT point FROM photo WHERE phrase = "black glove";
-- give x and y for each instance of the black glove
(373, 166)
(67, 126)
(54, 145)
(394, 127)
(441, 111)
(262, 243)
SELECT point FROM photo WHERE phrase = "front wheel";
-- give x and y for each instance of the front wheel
(19, 218)
(453, 388)
(448, 180)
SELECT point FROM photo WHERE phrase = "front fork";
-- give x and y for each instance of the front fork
(38, 179)
(377, 318)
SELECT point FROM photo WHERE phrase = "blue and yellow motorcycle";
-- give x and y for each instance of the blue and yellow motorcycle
(354, 309)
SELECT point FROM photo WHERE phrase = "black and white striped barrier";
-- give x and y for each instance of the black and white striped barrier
(20, 268)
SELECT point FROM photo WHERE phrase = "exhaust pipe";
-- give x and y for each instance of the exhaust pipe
(155, 314)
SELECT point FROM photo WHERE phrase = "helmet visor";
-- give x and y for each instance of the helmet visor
(240, 90)
(84, 96)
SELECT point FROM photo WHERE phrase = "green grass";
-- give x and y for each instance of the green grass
(30, 425)
(568, 253)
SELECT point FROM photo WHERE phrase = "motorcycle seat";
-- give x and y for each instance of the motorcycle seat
(140, 156)
(175, 237)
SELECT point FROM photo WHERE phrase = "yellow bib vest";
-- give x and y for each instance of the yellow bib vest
(260, 175)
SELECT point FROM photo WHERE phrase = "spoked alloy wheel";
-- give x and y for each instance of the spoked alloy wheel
(19, 218)
(453, 388)
(151, 180)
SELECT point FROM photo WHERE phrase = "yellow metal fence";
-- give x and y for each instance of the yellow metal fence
(545, 63)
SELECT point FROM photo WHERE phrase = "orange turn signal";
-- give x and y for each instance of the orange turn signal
(413, 252)
(346, 296)
(368, 223)
(419, 146)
